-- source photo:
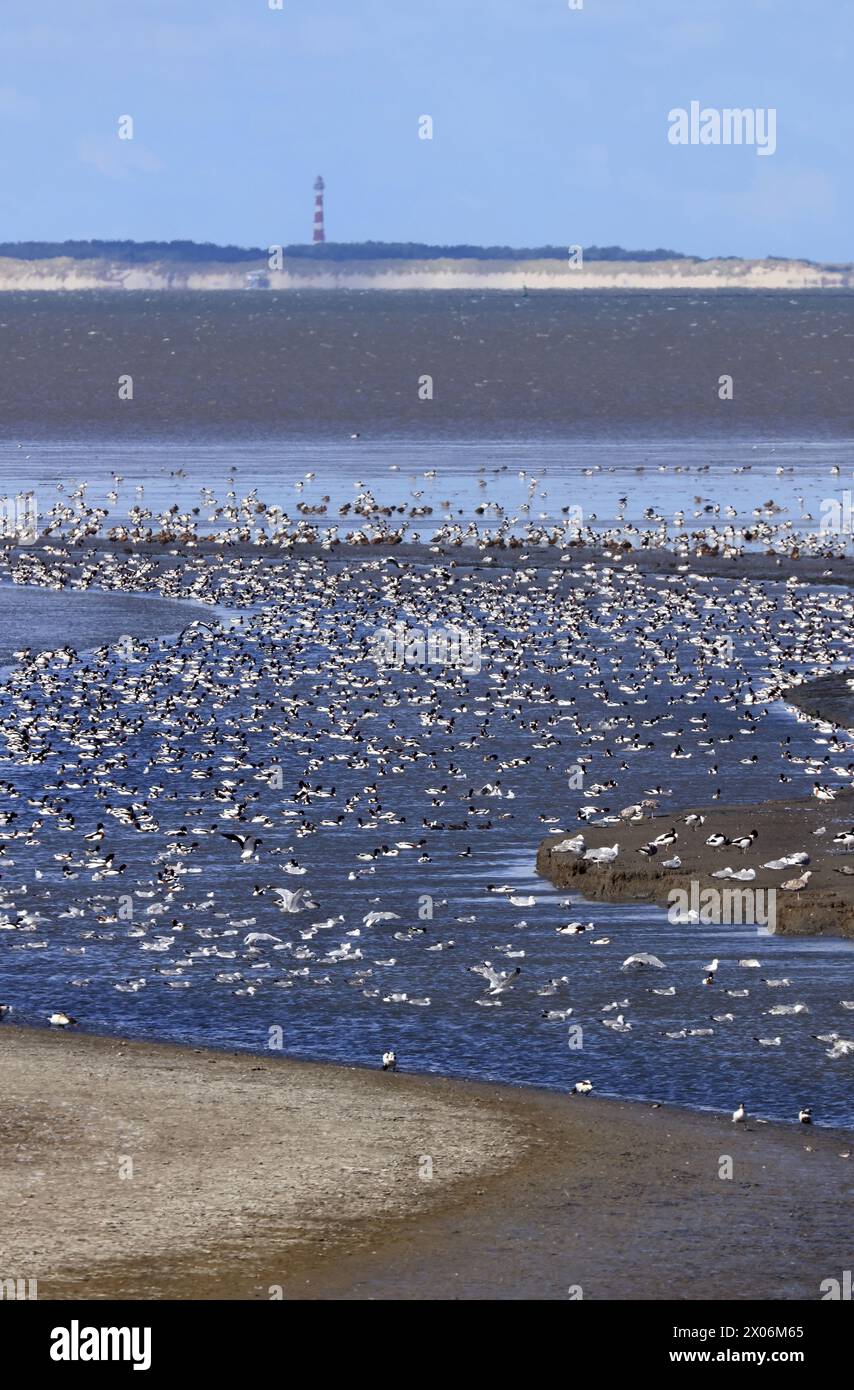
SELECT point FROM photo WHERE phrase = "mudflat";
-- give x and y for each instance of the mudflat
(140, 1171)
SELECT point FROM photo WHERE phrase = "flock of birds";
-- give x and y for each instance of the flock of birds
(161, 800)
(415, 514)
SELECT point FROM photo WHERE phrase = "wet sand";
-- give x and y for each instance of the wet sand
(253, 1175)
(824, 908)
(805, 568)
(828, 697)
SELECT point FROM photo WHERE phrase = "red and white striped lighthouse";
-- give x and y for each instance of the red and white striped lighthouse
(319, 233)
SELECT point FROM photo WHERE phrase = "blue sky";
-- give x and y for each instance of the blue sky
(550, 124)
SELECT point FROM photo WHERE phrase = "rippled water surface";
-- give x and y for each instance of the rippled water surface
(606, 403)
(79, 951)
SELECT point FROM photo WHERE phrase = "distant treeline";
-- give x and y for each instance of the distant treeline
(146, 252)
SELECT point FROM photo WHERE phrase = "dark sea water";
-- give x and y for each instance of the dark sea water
(315, 365)
(588, 397)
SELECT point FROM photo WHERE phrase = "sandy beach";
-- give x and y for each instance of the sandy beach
(253, 1176)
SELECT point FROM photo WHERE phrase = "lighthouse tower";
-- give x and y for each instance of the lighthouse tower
(319, 233)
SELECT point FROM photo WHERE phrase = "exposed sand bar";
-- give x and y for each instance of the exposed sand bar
(253, 1172)
(65, 273)
(824, 908)
(806, 569)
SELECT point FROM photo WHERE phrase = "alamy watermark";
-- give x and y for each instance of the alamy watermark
(19, 518)
(837, 515)
(446, 645)
(18, 1290)
(709, 125)
(723, 906)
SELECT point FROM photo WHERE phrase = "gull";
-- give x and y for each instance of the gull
(498, 981)
(248, 844)
(575, 845)
(389, 1061)
(371, 918)
(582, 1088)
(768, 1042)
(61, 1020)
(739, 1116)
(291, 899)
(641, 959)
(789, 861)
(605, 855)
(794, 885)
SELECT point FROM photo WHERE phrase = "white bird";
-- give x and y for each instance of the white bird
(739, 1116)
(571, 846)
(292, 899)
(643, 958)
(498, 981)
(61, 1020)
(389, 1061)
(371, 918)
(605, 855)
(582, 1088)
(248, 844)
(788, 861)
